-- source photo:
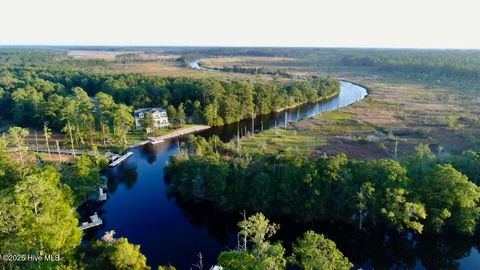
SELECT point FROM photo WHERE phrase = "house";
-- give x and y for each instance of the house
(160, 117)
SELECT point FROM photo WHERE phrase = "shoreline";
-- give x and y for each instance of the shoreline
(325, 98)
(174, 134)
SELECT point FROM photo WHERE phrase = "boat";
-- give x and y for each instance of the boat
(120, 159)
(96, 221)
(111, 156)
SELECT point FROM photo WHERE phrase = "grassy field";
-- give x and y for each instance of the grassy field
(249, 61)
(104, 55)
(154, 63)
(392, 116)
(276, 139)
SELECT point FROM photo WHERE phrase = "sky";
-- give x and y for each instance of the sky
(299, 23)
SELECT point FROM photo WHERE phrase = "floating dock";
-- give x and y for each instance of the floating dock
(120, 159)
(96, 221)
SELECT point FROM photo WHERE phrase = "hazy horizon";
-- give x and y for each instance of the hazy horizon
(219, 46)
(249, 23)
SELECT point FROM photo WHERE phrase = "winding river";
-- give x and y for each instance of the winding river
(172, 232)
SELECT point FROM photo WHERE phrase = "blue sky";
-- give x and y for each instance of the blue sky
(332, 23)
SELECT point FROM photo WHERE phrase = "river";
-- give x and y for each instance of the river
(172, 232)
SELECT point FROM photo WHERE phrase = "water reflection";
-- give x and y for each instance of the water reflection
(125, 173)
(220, 226)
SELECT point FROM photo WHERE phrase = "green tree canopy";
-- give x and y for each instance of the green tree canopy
(315, 252)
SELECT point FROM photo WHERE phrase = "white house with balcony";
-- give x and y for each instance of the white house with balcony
(159, 115)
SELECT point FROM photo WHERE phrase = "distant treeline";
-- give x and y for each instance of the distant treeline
(424, 193)
(254, 70)
(29, 59)
(442, 66)
(455, 68)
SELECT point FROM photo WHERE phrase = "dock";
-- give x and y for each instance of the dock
(182, 132)
(120, 159)
(96, 221)
(153, 141)
(174, 134)
(60, 151)
(102, 196)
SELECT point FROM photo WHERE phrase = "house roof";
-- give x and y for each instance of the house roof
(148, 110)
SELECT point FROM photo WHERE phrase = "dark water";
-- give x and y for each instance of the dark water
(172, 232)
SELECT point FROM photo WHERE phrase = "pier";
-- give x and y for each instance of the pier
(60, 151)
(174, 134)
(181, 132)
(153, 141)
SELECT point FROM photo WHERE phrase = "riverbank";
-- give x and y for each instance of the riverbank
(175, 134)
(389, 123)
(321, 99)
(197, 64)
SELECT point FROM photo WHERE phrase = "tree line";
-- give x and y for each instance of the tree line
(211, 101)
(454, 68)
(256, 251)
(31, 93)
(415, 195)
(253, 70)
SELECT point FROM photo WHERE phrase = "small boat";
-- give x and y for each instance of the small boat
(120, 159)
(111, 156)
(96, 221)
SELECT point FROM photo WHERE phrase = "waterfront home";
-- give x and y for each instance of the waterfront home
(159, 115)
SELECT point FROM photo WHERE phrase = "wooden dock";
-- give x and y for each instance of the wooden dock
(153, 141)
(96, 221)
(175, 134)
(120, 159)
(182, 132)
(62, 151)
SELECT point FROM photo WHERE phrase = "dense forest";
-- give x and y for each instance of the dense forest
(38, 218)
(454, 68)
(48, 90)
(253, 70)
(415, 195)
(38, 87)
